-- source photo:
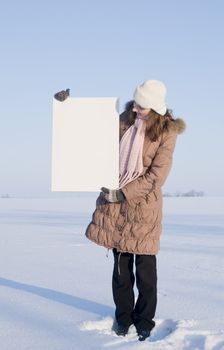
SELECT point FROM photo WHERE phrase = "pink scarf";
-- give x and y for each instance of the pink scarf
(131, 147)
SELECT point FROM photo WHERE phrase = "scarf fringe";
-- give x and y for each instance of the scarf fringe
(128, 177)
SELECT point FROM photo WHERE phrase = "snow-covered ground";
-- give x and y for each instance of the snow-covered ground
(55, 285)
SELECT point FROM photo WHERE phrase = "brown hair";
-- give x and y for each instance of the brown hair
(156, 125)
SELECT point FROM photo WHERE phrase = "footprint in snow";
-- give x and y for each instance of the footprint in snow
(181, 333)
(162, 329)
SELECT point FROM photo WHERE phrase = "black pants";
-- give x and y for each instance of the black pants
(127, 311)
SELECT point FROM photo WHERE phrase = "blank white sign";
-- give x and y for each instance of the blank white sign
(85, 144)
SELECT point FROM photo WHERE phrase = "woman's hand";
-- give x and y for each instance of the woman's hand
(113, 196)
(62, 95)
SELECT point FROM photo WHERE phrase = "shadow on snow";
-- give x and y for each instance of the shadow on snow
(60, 297)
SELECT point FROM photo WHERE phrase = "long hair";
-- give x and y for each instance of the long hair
(156, 124)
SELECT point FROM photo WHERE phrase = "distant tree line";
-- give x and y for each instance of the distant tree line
(5, 195)
(191, 193)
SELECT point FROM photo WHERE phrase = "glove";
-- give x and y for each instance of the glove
(62, 95)
(113, 196)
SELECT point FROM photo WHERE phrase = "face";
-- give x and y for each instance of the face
(142, 113)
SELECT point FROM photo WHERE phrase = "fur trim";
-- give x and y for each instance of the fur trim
(129, 105)
(177, 125)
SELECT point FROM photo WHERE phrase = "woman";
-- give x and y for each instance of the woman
(128, 219)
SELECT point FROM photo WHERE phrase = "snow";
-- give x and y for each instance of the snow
(55, 285)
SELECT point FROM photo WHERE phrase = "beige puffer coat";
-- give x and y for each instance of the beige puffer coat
(135, 225)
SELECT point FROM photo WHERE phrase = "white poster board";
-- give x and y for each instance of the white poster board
(85, 144)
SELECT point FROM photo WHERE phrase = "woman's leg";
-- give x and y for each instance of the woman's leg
(146, 280)
(122, 286)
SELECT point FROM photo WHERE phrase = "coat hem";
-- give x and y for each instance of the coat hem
(122, 251)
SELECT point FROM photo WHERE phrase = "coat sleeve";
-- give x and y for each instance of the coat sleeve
(157, 172)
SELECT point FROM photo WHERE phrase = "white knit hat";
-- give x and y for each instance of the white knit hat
(151, 94)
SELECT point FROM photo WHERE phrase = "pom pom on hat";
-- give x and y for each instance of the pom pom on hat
(151, 94)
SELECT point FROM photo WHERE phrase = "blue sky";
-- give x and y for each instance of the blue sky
(105, 48)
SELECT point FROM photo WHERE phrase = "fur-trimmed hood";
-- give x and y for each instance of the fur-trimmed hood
(177, 125)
